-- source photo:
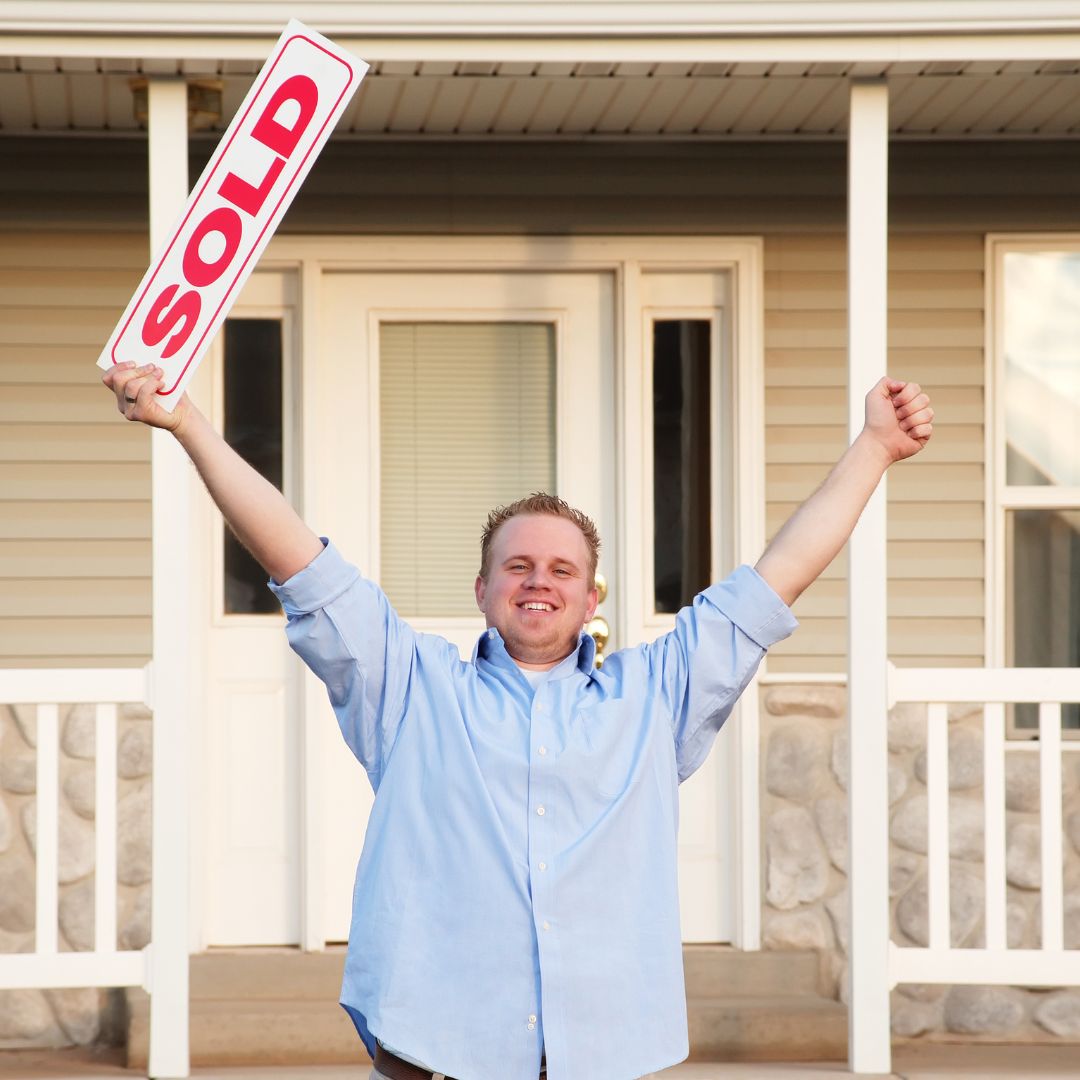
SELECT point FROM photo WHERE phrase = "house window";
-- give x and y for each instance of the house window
(467, 414)
(252, 426)
(1037, 337)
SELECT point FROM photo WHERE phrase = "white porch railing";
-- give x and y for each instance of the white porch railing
(106, 965)
(995, 963)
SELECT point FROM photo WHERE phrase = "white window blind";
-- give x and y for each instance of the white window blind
(467, 424)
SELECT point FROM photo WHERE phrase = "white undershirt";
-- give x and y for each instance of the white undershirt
(535, 678)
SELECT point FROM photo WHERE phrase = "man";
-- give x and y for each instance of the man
(516, 902)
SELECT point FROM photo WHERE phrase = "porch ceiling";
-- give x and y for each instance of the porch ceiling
(524, 99)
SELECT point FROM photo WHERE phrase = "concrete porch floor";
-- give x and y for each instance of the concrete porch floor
(909, 1063)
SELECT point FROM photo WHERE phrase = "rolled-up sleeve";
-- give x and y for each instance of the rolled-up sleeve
(345, 630)
(705, 663)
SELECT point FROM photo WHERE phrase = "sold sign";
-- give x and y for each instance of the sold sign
(233, 210)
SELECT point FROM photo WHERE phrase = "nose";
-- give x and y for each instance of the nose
(537, 578)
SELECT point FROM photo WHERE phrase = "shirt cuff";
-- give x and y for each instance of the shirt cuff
(320, 583)
(749, 602)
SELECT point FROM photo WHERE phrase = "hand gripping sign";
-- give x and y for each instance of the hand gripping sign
(242, 195)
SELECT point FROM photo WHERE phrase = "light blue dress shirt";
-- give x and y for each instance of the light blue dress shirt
(517, 891)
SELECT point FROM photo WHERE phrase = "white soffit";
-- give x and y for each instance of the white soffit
(523, 99)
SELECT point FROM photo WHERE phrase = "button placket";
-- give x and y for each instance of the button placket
(541, 835)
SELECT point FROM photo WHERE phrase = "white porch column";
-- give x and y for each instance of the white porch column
(868, 830)
(172, 697)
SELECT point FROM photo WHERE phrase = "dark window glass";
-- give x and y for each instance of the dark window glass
(1044, 555)
(252, 428)
(682, 543)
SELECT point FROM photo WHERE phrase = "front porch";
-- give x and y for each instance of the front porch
(910, 1063)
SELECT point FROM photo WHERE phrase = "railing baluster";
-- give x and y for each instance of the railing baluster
(105, 830)
(48, 841)
(937, 813)
(1053, 936)
(994, 824)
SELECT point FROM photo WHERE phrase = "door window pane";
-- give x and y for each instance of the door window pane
(1044, 563)
(1042, 367)
(253, 429)
(467, 424)
(682, 541)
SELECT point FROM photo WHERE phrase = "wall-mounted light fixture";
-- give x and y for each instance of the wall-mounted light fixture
(204, 102)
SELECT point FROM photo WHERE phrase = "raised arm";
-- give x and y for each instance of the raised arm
(253, 508)
(898, 425)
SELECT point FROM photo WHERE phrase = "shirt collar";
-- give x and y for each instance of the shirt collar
(490, 647)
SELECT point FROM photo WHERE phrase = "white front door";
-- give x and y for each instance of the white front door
(461, 390)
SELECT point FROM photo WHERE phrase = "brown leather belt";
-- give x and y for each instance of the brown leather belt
(391, 1066)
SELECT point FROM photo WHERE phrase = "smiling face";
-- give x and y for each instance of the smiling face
(538, 592)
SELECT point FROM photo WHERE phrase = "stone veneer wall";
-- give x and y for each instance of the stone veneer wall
(37, 1018)
(804, 813)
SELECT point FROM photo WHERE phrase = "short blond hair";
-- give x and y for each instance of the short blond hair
(539, 502)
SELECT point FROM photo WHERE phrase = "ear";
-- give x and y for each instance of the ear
(594, 598)
(481, 591)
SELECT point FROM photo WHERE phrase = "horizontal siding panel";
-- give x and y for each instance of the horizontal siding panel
(787, 290)
(67, 519)
(907, 637)
(75, 559)
(60, 598)
(60, 638)
(48, 364)
(65, 252)
(89, 404)
(917, 598)
(68, 480)
(817, 405)
(807, 252)
(66, 326)
(46, 288)
(910, 521)
(111, 441)
(820, 445)
(907, 329)
(952, 483)
(109, 660)
(934, 370)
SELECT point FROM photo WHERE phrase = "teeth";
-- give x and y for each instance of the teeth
(537, 607)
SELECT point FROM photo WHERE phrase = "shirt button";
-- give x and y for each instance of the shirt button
(491, 633)
(541, 811)
(532, 1027)
(547, 925)
(543, 866)
(543, 749)
(532, 1018)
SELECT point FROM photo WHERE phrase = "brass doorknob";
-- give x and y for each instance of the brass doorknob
(597, 628)
(601, 588)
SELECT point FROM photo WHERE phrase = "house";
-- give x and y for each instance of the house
(604, 249)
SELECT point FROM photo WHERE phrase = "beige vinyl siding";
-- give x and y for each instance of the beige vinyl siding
(935, 516)
(74, 476)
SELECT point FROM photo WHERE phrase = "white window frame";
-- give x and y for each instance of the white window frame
(721, 446)
(265, 305)
(1001, 497)
(628, 258)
